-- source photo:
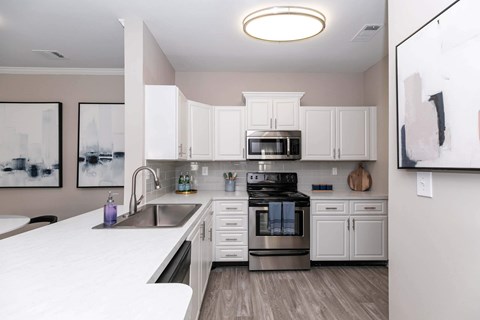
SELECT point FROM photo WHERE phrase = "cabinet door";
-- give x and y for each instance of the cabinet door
(182, 138)
(318, 133)
(368, 238)
(229, 133)
(330, 238)
(353, 133)
(195, 271)
(259, 114)
(200, 118)
(285, 114)
(162, 116)
(207, 249)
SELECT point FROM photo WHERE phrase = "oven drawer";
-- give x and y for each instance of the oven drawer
(329, 207)
(228, 207)
(231, 238)
(239, 253)
(368, 207)
(233, 222)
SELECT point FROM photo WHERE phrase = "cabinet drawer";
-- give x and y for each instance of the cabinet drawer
(233, 222)
(227, 207)
(330, 207)
(231, 238)
(368, 207)
(231, 253)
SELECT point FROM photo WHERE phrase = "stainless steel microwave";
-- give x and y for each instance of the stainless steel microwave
(274, 145)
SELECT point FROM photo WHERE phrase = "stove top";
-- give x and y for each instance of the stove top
(281, 195)
(263, 187)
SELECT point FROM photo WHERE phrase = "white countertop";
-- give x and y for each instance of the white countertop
(345, 195)
(68, 270)
(12, 222)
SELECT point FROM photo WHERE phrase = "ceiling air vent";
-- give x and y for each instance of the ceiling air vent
(367, 32)
(50, 54)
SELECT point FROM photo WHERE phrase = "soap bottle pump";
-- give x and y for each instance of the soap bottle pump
(110, 211)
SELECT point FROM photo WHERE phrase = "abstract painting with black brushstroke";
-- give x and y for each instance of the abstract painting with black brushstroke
(438, 99)
(101, 145)
(30, 145)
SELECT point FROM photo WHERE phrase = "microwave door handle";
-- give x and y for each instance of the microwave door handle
(288, 147)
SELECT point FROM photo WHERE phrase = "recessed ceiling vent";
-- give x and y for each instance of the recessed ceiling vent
(50, 54)
(367, 32)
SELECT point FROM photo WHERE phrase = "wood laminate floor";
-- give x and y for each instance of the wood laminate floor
(330, 293)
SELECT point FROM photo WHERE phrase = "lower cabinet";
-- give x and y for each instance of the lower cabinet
(231, 231)
(201, 259)
(349, 230)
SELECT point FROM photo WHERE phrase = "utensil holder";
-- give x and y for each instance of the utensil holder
(230, 185)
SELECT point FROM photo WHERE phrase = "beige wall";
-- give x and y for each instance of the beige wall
(70, 90)
(225, 88)
(376, 94)
(434, 243)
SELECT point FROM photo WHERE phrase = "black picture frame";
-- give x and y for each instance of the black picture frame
(31, 145)
(438, 126)
(100, 145)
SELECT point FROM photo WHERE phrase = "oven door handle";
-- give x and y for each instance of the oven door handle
(279, 253)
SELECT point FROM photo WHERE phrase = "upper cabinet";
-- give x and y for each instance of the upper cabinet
(273, 110)
(166, 132)
(229, 133)
(200, 131)
(338, 133)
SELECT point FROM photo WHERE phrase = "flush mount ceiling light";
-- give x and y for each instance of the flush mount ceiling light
(283, 24)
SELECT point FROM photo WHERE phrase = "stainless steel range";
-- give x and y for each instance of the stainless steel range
(278, 221)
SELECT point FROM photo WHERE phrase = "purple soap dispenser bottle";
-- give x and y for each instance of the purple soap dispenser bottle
(110, 211)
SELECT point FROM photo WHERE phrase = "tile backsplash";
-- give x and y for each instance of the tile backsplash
(311, 172)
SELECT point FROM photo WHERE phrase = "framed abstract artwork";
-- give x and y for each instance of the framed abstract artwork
(101, 145)
(30, 145)
(438, 98)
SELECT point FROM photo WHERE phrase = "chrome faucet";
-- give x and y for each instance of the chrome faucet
(133, 198)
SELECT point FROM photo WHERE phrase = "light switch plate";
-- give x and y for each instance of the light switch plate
(204, 171)
(424, 184)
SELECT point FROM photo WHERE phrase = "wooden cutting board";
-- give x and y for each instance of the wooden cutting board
(359, 179)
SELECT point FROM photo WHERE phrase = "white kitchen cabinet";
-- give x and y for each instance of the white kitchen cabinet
(229, 133)
(349, 230)
(231, 230)
(200, 131)
(166, 136)
(338, 133)
(273, 110)
(201, 258)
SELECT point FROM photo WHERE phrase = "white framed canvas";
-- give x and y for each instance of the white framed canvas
(30, 145)
(101, 145)
(438, 97)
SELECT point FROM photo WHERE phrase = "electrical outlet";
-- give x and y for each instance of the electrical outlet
(204, 171)
(334, 171)
(424, 184)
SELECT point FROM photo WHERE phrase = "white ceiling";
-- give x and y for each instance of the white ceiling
(196, 35)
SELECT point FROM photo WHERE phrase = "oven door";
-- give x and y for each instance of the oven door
(261, 237)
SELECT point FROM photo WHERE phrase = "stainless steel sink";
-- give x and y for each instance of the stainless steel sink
(156, 216)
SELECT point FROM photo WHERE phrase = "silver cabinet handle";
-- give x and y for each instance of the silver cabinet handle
(231, 223)
(211, 213)
(190, 149)
(353, 224)
(230, 208)
(271, 123)
(348, 224)
(288, 141)
(338, 153)
(211, 236)
(231, 255)
(275, 123)
(334, 153)
(231, 239)
(243, 153)
(331, 208)
(370, 208)
(180, 150)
